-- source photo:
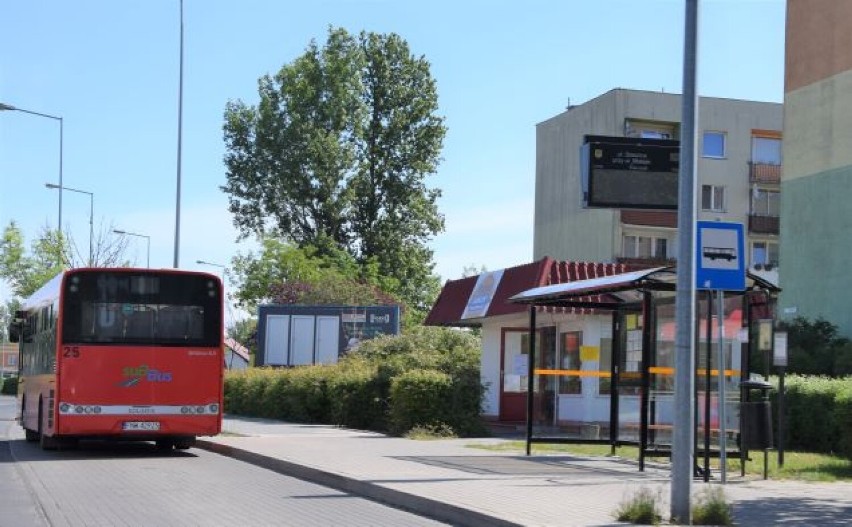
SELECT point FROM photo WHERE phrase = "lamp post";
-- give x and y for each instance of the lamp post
(179, 139)
(91, 213)
(10, 108)
(148, 238)
(224, 268)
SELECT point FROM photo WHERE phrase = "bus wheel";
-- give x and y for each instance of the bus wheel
(47, 443)
(183, 443)
(30, 435)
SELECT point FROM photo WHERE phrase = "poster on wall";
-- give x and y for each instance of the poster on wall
(483, 292)
(362, 323)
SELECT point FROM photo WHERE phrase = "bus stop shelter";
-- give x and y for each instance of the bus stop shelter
(639, 379)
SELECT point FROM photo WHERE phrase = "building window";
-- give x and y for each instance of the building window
(765, 150)
(764, 254)
(713, 198)
(765, 202)
(714, 144)
(645, 247)
(650, 129)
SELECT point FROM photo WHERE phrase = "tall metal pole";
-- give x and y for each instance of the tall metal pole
(723, 445)
(61, 135)
(683, 436)
(91, 228)
(180, 137)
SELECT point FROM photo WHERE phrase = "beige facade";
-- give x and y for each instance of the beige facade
(738, 173)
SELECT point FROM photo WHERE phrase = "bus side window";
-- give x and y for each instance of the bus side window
(30, 328)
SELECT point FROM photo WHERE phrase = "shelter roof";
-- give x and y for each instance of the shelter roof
(453, 301)
(623, 288)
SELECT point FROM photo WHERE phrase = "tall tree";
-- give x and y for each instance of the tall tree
(336, 153)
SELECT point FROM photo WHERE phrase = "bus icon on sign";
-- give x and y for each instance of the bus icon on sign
(722, 253)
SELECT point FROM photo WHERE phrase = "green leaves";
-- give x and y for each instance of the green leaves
(27, 272)
(335, 155)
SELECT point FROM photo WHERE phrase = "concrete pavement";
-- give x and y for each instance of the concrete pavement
(450, 481)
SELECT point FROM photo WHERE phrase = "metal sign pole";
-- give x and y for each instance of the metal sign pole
(723, 458)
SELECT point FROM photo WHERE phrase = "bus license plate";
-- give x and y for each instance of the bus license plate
(140, 425)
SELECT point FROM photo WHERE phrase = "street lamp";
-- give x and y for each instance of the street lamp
(10, 108)
(148, 238)
(179, 140)
(224, 268)
(91, 213)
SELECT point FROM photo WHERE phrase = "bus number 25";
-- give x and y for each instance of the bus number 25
(70, 352)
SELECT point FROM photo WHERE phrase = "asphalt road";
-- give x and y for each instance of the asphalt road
(134, 484)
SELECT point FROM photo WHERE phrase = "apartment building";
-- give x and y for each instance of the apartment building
(817, 177)
(739, 173)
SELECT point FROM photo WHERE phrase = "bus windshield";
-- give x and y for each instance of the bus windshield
(151, 309)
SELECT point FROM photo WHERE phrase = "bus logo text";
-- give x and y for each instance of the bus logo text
(135, 375)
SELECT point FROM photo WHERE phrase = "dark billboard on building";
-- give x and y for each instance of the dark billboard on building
(296, 335)
(630, 172)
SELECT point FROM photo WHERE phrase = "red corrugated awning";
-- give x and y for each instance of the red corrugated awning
(451, 303)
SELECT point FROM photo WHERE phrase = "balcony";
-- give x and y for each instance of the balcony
(764, 173)
(650, 218)
(758, 224)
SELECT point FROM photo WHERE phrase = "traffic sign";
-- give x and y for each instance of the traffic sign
(720, 262)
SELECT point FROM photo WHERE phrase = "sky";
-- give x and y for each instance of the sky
(110, 69)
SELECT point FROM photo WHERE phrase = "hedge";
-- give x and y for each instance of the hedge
(819, 414)
(442, 365)
(9, 386)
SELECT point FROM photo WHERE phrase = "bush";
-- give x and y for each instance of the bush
(439, 365)
(420, 398)
(640, 509)
(711, 508)
(9, 386)
(356, 396)
(843, 417)
(812, 404)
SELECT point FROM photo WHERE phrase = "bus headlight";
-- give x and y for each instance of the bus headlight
(213, 408)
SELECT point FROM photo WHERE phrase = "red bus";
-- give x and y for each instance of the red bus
(122, 353)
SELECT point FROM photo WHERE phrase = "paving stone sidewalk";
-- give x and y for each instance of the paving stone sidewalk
(452, 482)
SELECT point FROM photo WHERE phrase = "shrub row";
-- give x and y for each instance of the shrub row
(9, 386)
(819, 414)
(427, 377)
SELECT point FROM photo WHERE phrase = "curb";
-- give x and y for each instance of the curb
(426, 507)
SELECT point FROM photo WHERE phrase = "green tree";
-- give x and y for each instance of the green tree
(27, 272)
(50, 253)
(280, 262)
(335, 156)
(816, 348)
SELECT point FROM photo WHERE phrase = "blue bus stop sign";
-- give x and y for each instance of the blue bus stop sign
(720, 262)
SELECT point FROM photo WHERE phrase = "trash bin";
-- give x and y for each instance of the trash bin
(756, 417)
